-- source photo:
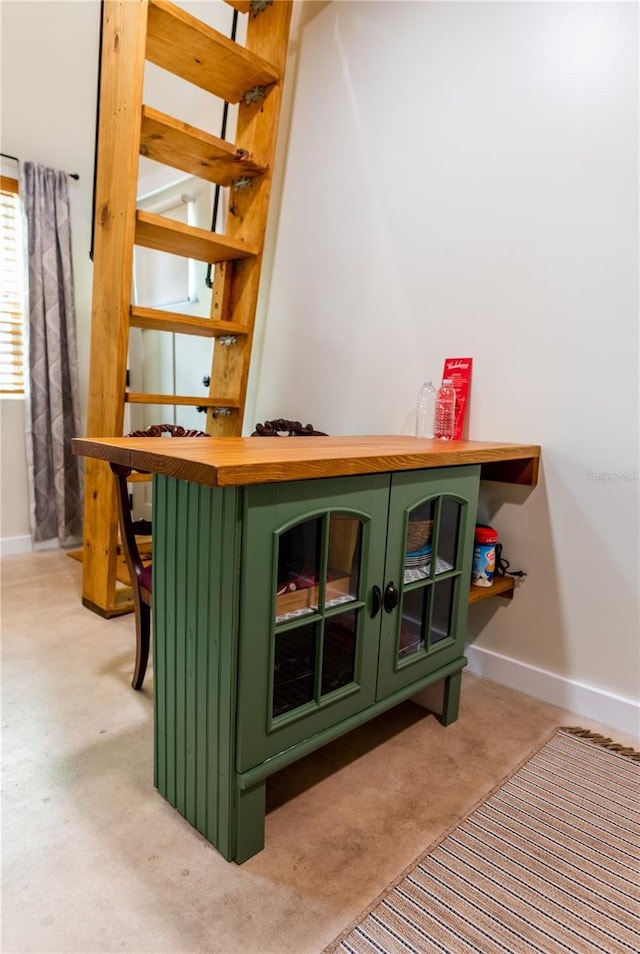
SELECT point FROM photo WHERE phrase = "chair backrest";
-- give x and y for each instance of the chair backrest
(130, 528)
(173, 430)
(139, 573)
(284, 428)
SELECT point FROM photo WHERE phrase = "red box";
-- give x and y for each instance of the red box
(459, 370)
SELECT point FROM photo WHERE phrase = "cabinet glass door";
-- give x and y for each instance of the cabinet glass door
(429, 564)
(313, 659)
(312, 551)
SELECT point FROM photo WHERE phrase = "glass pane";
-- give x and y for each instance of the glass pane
(298, 570)
(294, 668)
(339, 655)
(447, 550)
(345, 537)
(442, 610)
(414, 607)
(418, 545)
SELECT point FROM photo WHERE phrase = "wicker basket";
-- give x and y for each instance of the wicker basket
(418, 534)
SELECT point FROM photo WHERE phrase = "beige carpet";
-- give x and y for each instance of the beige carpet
(95, 861)
(548, 862)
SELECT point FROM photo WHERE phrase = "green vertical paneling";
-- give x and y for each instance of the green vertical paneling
(203, 652)
(190, 664)
(210, 556)
(159, 668)
(212, 709)
(228, 597)
(167, 594)
(196, 537)
(181, 606)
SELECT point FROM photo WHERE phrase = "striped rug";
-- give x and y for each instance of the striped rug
(548, 862)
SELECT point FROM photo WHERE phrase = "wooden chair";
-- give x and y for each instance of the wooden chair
(283, 428)
(130, 529)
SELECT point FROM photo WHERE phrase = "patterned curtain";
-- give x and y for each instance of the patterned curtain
(53, 418)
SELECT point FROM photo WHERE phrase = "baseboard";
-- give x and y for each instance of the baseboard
(615, 711)
(24, 544)
(11, 545)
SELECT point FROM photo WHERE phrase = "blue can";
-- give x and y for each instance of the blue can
(484, 555)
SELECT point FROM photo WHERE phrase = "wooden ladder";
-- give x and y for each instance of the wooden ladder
(250, 75)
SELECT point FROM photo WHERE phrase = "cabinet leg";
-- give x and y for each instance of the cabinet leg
(451, 698)
(250, 812)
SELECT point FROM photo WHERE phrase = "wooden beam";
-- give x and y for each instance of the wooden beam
(9, 185)
(155, 319)
(181, 400)
(167, 235)
(523, 471)
(122, 71)
(242, 6)
(177, 144)
(183, 45)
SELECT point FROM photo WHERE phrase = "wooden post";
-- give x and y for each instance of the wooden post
(123, 52)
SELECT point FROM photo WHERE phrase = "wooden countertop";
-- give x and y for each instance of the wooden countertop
(238, 461)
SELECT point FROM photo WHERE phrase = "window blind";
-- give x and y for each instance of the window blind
(11, 288)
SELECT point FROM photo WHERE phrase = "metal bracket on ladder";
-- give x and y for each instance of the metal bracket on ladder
(257, 6)
(242, 184)
(227, 340)
(255, 95)
(215, 411)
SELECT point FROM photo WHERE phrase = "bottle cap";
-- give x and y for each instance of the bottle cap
(485, 534)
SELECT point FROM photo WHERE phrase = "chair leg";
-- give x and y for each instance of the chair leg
(143, 639)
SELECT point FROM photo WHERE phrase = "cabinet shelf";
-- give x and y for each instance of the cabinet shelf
(502, 586)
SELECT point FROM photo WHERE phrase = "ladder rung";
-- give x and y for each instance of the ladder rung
(182, 44)
(185, 147)
(154, 319)
(180, 400)
(250, 6)
(167, 235)
(242, 6)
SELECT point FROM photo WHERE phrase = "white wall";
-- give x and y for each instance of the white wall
(49, 73)
(462, 179)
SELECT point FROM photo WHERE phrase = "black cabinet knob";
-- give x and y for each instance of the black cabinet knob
(391, 597)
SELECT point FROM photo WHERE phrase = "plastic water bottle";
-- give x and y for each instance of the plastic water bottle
(425, 411)
(445, 411)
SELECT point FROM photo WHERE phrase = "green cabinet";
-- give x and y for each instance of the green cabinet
(288, 613)
(341, 604)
